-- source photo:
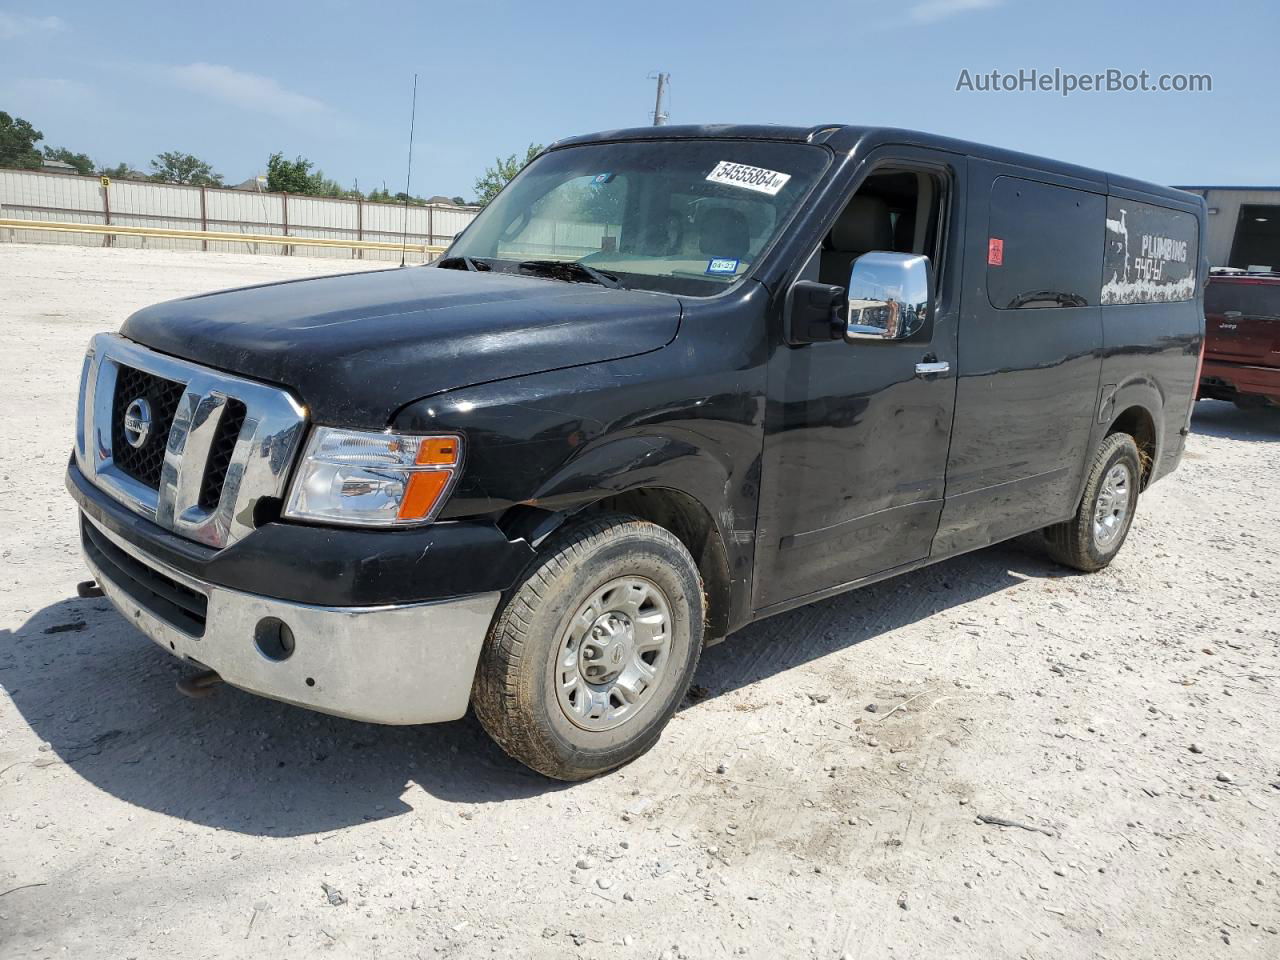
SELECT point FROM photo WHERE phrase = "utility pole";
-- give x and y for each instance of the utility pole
(660, 118)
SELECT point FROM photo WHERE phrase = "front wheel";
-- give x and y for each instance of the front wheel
(1091, 539)
(593, 650)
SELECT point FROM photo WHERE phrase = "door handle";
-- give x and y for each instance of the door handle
(930, 368)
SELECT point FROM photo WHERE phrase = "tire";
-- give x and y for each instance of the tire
(1084, 542)
(544, 690)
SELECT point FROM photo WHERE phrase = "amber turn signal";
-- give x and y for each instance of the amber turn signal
(423, 492)
(437, 452)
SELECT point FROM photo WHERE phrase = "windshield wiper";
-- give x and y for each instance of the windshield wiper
(463, 263)
(568, 270)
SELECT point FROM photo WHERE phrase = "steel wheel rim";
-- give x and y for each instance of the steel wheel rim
(1111, 511)
(613, 654)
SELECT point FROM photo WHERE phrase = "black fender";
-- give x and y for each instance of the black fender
(653, 458)
(1135, 406)
(540, 448)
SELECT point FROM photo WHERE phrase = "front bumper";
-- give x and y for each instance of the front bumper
(398, 664)
(346, 567)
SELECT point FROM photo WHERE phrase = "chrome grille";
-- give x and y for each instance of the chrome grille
(220, 454)
(217, 446)
(143, 463)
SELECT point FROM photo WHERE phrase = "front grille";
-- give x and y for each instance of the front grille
(143, 463)
(163, 597)
(217, 445)
(224, 445)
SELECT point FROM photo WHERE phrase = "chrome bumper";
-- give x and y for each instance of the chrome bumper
(411, 663)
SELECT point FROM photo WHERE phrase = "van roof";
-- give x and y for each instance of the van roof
(844, 138)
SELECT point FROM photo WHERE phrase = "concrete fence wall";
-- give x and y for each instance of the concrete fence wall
(35, 195)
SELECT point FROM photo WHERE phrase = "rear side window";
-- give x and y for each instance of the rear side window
(1253, 298)
(1151, 253)
(1043, 247)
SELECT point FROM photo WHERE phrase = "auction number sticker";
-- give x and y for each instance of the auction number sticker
(749, 178)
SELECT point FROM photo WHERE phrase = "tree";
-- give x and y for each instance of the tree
(296, 176)
(318, 185)
(121, 171)
(459, 201)
(503, 172)
(288, 176)
(18, 143)
(81, 161)
(177, 167)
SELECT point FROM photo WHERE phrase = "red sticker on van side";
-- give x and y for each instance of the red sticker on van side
(995, 252)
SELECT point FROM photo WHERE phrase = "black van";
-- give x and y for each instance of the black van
(672, 380)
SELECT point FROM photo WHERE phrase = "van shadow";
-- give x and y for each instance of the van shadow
(102, 700)
(1217, 418)
(819, 629)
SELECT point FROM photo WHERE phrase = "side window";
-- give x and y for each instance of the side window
(1151, 253)
(894, 210)
(1042, 247)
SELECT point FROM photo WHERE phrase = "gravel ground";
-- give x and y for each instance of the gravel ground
(821, 794)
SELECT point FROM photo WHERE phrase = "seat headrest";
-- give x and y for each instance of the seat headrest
(864, 225)
(723, 232)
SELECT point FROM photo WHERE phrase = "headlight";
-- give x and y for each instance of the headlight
(373, 479)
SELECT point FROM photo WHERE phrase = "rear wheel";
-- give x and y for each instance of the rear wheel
(593, 650)
(1091, 539)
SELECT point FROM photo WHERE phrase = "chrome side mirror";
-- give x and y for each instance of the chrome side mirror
(888, 296)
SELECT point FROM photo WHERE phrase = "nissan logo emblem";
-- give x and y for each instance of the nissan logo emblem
(137, 422)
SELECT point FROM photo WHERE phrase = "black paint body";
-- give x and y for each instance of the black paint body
(818, 467)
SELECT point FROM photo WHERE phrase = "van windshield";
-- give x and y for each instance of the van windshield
(679, 216)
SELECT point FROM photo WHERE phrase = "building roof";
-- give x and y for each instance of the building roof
(1225, 187)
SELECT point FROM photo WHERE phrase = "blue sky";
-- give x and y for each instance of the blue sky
(328, 79)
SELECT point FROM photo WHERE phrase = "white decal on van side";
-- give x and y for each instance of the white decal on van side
(1148, 291)
(1145, 262)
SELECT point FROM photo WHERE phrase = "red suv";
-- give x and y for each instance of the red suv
(1242, 338)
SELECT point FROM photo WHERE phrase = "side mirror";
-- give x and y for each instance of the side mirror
(814, 312)
(888, 296)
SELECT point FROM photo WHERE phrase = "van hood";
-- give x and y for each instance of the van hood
(357, 347)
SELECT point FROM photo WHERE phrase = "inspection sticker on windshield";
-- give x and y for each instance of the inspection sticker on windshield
(722, 265)
(749, 178)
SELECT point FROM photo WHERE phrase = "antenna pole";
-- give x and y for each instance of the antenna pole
(413, 115)
(660, 118)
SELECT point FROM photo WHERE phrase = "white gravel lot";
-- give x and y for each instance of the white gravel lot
(1129, 716)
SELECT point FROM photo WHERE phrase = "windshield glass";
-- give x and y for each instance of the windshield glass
(681, 216)
(1252, 298)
